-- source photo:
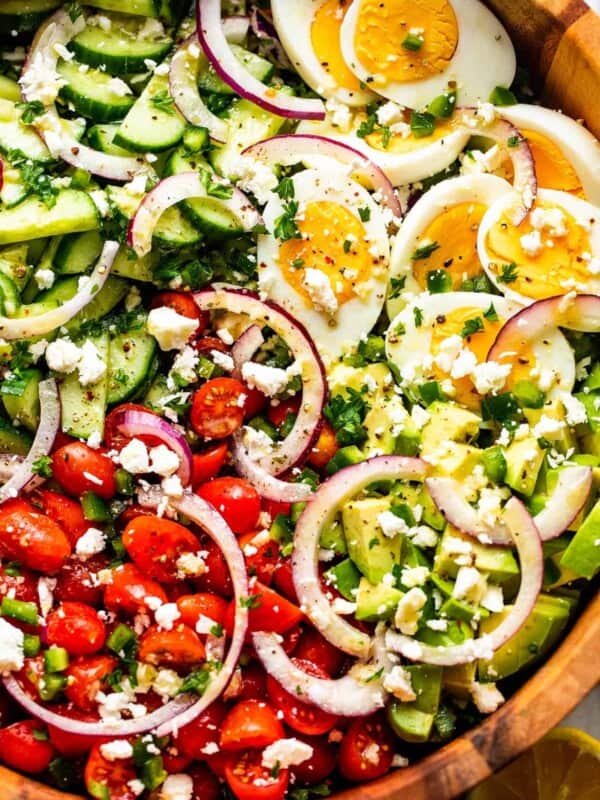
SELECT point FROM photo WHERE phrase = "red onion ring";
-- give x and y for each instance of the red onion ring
(270, 45)
(568, 498)
(288, 149)
(318, 513)
(42, 443)
(171, 191)
(144, 423)
(26, 327)
(212, 38)
(529, 547)
(245, 347)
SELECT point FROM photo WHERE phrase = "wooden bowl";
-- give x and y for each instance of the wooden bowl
(559, 40)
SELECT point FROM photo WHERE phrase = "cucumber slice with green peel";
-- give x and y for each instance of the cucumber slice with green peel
(10, 299)
(77, 252)
(9, 89)
(136, 269)
(28, 6)
(14, 263)
(142, 8)
(258, 67)
(94, 93)
(24, 407)
(35, 249)
(153, 124)
(206, 213)
(17, 139)
(13, 189)
(132, 355)
(14, 440)
(124, 48)
(84, 407)
(74, 211)
(24, 16)
(101, 138)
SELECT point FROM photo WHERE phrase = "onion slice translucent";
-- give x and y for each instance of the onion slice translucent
(173, 190)
(318, 513)
(245, 347)
(288, 149)
(42, 443)
(214, 43)
(566, 501)
(531, 558)
(41, 324)
(268, 486)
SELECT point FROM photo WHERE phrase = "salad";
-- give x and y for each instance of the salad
(300, 389)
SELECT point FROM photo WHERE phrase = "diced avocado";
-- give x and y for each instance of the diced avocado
(24, 408)
(457, 680)
(374, 554)
(332, 538)
(14, 440)
(448, 423)
(418, 497)
(552, 476)
(564, 438)
(375, 603)
(454, 459)
(582, 556)
(539, 633)
(587, 460)
(345, 457)
(413, 721)
(461, 610)
(345, 578)
(498, 563)
(523, 462)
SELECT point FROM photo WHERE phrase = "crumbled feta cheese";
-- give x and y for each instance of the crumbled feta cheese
(136, 786)
(223, 360)
(420, 416)
(398, 682)
(548, 427)
(389, 113)
(257, 443)
(93, 541)
(94, 440)
(340, 115)
(343, 607)
(390, 524)
(464, 364)
(133, 298)
(286, 753)
(225, 336)
(167, 683)
(399, 762)
(255, 177)
(119, 87)
(134, 457)
(92, 367)
(63, 356)
(167, 615)
(172, 486)
(550, 219)
(170, 329)
(486, 696)
(45, 589)
(118, 749)
(408, 611)
(191, 565)
(37, 349)
(448, 352)
(11, 647)
(531, 243)
(493, 599)
(44, 278)
(163, 461)
(489, 376)
(414, 576)
(574, 408)
(185, 363)
(318, 287)
(371, 753)
(470, 585)
(269, 380)
(177, 787)
(486, 112)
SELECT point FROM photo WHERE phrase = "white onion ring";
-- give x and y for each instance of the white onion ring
(42, 443)
(268, 486)
(288, 149)
(568, 498)
(171, 191)
(39, 325)
(318, 513)
(245, 347)
(212, 38)
(529, 547)
(144, 423)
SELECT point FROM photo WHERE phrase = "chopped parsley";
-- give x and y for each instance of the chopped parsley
(364, 213)
(396, 287)
(42, 466)
(346, 413)
(29, 111)
(422, 124)
(472, 326)
(252, 601)
(491, 314)
(509, 273)
(285, 189)
(417, 316)
(424, 251)
(285, 225)
(162, 101)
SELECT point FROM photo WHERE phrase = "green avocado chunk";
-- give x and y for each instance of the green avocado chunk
(374, 554)
(582, 556)
(376, 602)
(413, 721)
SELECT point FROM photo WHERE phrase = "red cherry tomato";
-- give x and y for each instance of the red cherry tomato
(274, 507)
(86, 677)
(208, 464)
(206, 785)
(64, 511)
(180, 646)
(203, 733)
(234, 498)
(367, 749)
(254, 403)
(249, 780)
(283, 580)
(192, 606)
(218, 408)
(76, 627)
(320, 765)
(269, 611)
(324, 448)
(129, 589)
(155, 544)
(261, 559)
(254, 682)
(175, 761)
(251, 723)
(21, 749)
(73, 745)
(115, 440)
(302, 717)
(131, 512)
(216, 579)
(183, 303)
(207, 343)
(79, 469)
(77, 580)
(314, 647)
(113, 776)
(278, 414)
(32, 539)
(22, 585)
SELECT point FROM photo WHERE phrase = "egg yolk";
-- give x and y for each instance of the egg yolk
(455, 233)
(397, 143)
(325, 36)
(383, 25)
(453, 324)
(333, 241)
(553, 169)
(540, 272)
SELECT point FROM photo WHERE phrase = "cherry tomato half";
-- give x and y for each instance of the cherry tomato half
(180, 646)
(32, 539)
(76, 581)
(76, 627)
(79, 469)
(250, 723)
(313, 647)
(129, 589)
(86, 677)
(218, 408)
(64, 511)
(70, 744)
(192, 606)
(324, 448)
(114, 776)
(235, 499)
(302, 717)
(183, 303)
(249, 780)
(320, 765)
(202, 734)
(155, 545)
(23, 746)
(367, 749)
(208, 464)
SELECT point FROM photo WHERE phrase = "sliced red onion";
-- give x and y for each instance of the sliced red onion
(245, 347)
(41, 324)
(133, 423)
(297, 445)
(531, 558)
(183, 79)
(500, 131)
(173, 190)
(268, 486)
(346, 696)
(576, 312)
(228, 68)
(270, 45)
(42, 443)
(288, 149)
(318, 513)
(568, 498)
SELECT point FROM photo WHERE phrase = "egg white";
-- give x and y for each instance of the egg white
(337, 334)
(484, 58)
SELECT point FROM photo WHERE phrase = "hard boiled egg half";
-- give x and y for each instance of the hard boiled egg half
(555, 250)
(331, 272)
(446, 338)
(411, 50)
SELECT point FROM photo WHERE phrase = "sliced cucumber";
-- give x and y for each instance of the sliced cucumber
(84, 407)
(10, 299)
(14, 440)
(101, 138)
(122, 49)
(132, 356)
(207, 213)
(19, 139)
(24, 409)
(9, 89)
(77, 252)
(92, 93)
(73, 211)
(13, 189)
(14, 264)
(153, 124)
(24, 16)
(136, 269)
(142, 8)
(257, 66)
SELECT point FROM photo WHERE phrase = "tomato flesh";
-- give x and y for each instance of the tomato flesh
(302, 717)
(23, 749)
(76, 627)
(235, 499)
(249, 780)
(113, 776)
(156, 544)
(32, 539)
(251, 723)
(367, 749)
(79, 469)
(218, 408)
